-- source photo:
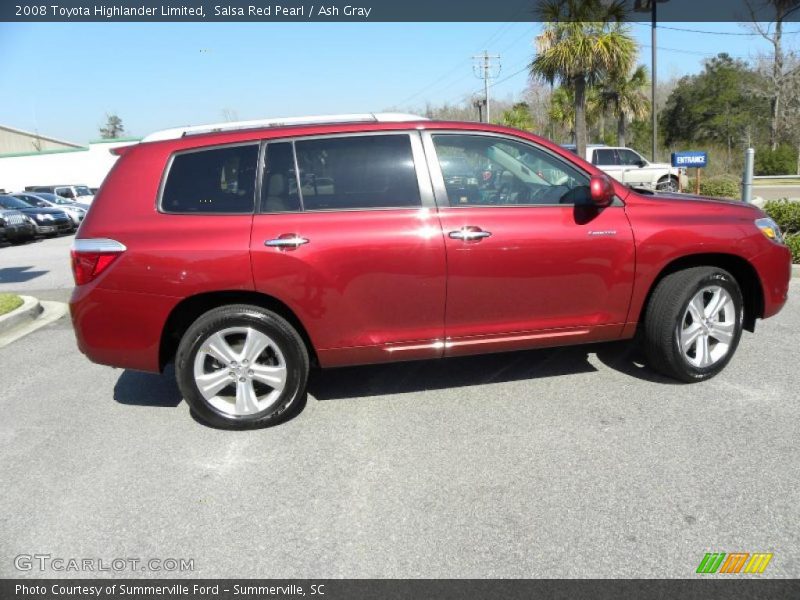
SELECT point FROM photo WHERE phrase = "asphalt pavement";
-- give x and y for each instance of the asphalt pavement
(572, 462)
(39, 268)
(774, 192)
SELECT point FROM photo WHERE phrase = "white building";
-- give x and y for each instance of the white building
(73, 164)
(17, 141)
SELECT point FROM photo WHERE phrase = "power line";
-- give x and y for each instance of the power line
(692, 52)
(732, 33)
(436, 83)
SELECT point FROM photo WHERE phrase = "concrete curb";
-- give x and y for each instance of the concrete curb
(49, 312)
(30, 309)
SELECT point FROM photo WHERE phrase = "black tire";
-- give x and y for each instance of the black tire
(668, 184)
(284, 336)
(664, 320)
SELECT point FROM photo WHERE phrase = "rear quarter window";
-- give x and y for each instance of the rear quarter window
(217, 180)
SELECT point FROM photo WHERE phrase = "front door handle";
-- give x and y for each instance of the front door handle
(286, 240)
(469, 233)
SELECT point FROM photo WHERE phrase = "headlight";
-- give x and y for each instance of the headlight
(770, 229)
(44, 217)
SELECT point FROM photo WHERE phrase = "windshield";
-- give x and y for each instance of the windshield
(55, 199)
(82, 190)
(11, 202)
(31, 200)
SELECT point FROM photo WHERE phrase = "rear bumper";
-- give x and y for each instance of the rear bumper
(120, 329)
(774, 269)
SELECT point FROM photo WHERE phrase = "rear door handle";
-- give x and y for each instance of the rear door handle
(469, 233)
(286, 240)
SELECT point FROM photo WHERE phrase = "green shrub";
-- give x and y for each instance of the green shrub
(793, 241)
(786, 214)
(781, 161)
(717, 187)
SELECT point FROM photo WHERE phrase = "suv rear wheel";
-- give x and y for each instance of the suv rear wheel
(241, 367)
(693, 323)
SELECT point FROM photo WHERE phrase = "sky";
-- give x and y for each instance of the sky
(62, 79)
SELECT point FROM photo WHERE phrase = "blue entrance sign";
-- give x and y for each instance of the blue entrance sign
(697, 160)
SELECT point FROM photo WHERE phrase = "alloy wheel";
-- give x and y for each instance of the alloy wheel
(708, 327)
(240, 371)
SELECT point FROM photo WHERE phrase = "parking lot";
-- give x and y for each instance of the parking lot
(574, 462)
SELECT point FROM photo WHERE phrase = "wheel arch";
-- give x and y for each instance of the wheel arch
(741, 270)
(189, 309)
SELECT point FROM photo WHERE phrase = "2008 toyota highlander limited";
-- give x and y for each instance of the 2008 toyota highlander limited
(247, 252)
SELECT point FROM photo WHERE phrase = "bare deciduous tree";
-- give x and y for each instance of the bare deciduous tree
(777, 77)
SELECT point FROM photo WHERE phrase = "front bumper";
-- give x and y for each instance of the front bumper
(50, 228)
(774, 269)
(20, 232)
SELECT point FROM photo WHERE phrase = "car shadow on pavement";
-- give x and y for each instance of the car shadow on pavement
(148, 389)
(19, 274)
(397, 378)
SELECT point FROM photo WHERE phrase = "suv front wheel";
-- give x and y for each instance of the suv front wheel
(693, 323)
(241, 367)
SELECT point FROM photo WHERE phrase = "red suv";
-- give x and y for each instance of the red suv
(248, 252)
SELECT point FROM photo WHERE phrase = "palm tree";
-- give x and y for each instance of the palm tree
(582, 41)
(625, 95)
(518, 116)
(562, 108)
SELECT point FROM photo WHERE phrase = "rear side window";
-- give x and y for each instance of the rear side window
(605, 157)
(357, 172)
(220, 180)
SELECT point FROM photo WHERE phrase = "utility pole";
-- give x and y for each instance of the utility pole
(484, 69)
(651, 6)
(654, 82)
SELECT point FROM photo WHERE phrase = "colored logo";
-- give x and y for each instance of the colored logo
(735, 562)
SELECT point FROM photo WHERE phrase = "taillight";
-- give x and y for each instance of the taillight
(93, 256)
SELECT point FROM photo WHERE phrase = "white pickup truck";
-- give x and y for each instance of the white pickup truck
(631, 168)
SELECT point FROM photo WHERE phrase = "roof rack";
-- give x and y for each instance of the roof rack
(179, 132)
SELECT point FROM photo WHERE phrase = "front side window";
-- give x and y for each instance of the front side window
(629, 158)
(219, 180)
(65, 192)
(487, 170)
(357, 172)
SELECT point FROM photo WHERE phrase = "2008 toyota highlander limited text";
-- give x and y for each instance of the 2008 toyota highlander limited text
(248, 252)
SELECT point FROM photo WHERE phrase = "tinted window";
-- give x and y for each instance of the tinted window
(279, 182)
(375, 171)
(605, 157)
(11, 202)
(486, 170)
(629, 158)
(65, 192)
(32, 200)
(221, 180)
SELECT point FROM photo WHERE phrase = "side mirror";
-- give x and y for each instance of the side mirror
(601, 190)
(641, 163)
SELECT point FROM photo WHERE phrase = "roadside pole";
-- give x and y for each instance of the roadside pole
(747, 177)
